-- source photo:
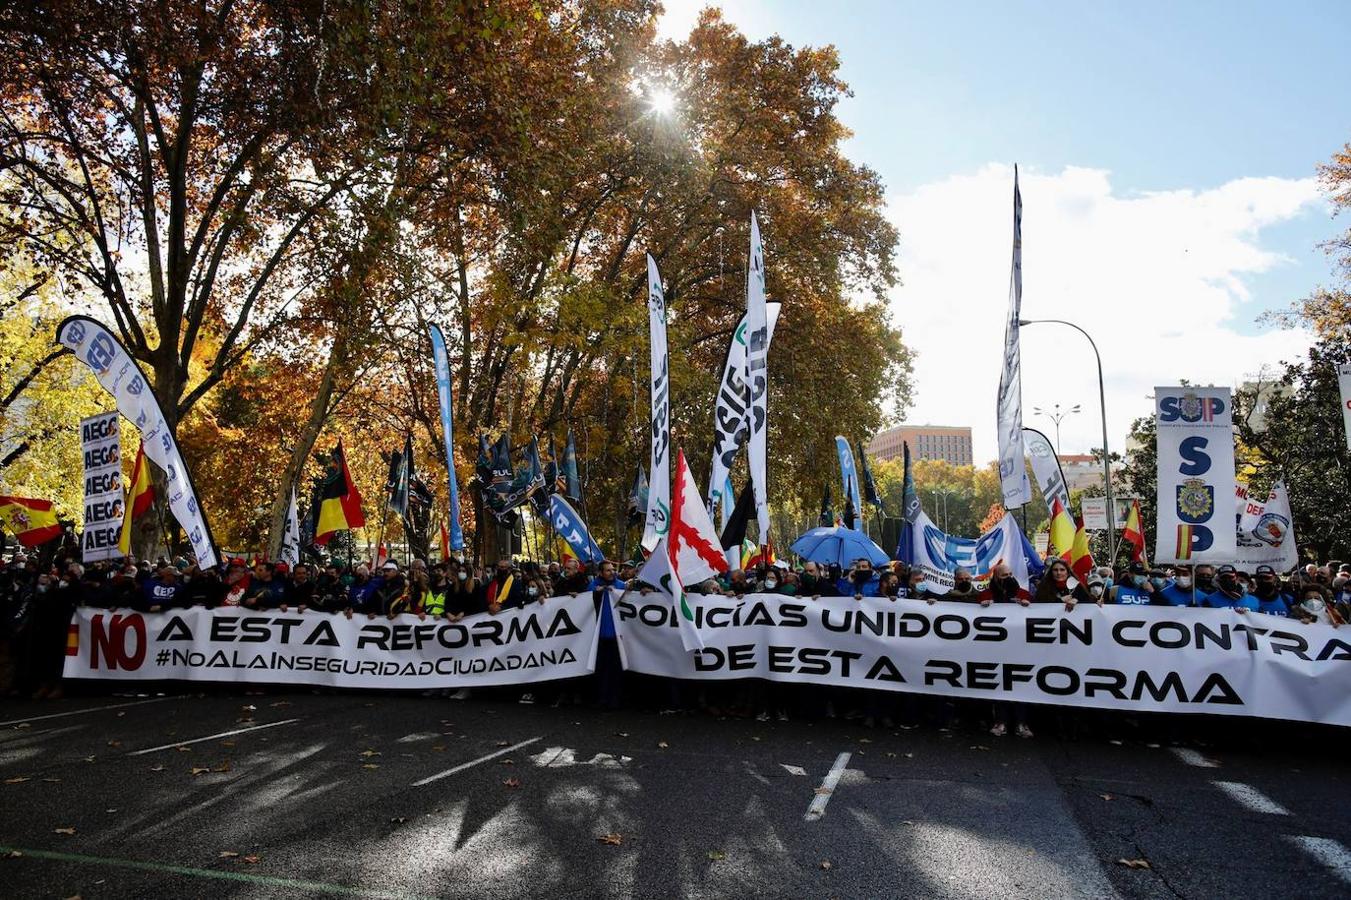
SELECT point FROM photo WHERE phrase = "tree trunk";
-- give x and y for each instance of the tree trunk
(309, 434)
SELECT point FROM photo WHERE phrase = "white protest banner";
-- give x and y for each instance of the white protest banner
(1265, 530)
(1142, 658)
(543, 641)
(659, 484)
(731, 428)
(757, 378)
(1009, 408)
(95, 346)
(1196, 474)
(1344, 382)
(101, 447)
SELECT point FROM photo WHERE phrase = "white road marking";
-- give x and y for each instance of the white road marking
(419, 736)
(563, 757)
(474, 762)
(1327, 851)
(80, 712)
(1192, 758)
(1251, 797)
(210, 737)
(793, 770)
(823, 793)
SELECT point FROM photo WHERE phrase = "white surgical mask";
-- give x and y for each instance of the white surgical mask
(532, 591)
(1183, 582)
(771, 583)
(463, 576)
(1095, 590)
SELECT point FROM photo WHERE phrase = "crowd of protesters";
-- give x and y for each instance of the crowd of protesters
(38, 599)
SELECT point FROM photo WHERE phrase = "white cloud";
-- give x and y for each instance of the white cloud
(1155, 278)
(679, 17)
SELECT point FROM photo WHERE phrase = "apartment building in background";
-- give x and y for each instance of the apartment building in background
(949, 442)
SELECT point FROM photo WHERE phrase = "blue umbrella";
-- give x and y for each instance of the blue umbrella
(838, 545)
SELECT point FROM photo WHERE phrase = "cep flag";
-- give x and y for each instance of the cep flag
(32, 521)
(339, 500)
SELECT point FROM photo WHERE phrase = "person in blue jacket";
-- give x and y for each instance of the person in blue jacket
(1229, 593)
(1268, 594)
(861, 581)
(606, 588)
(1179, 591)
(1133, 590)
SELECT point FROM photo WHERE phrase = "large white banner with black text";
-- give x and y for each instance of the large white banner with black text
(543, 641)
(1143, 658)
(101, 446)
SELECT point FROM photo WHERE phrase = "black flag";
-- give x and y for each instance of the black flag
(850, 514)
(827, 514)
(735, 532)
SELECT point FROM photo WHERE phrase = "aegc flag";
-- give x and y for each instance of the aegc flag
(1196, 475)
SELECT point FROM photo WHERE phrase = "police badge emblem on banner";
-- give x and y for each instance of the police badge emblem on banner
(1196, 465)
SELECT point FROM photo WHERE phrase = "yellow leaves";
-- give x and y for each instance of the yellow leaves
(613, 839)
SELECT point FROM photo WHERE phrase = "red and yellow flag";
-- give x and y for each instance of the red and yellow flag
(140, 494)
(30, 520)
(445, 542)
(1069, 539)
(1134, 533)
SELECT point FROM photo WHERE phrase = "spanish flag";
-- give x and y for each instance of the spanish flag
(445, 542)
(32, 521)
(140, 494)
(1134, 533)
(339, 500)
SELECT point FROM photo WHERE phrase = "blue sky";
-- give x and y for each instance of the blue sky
(1166, 132)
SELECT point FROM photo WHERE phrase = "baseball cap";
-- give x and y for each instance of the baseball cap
(1138, 568)
(1264, 570)
(1226, 569)
(390, 565)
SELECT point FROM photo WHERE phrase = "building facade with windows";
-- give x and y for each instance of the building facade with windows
(948, 442)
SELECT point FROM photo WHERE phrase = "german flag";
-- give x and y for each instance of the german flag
(339, 500)
(140, 495)
(32, 521)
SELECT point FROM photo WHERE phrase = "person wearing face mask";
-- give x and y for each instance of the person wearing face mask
(1003, 588)
(1271, 600)
(814, 582)
(506, 590)
(1314, 607)
(860, 582)
(963, 587)
(1203, 584)
(573, 580)
(1179, 591)
(775, 581)
(1229, 592)
(1135, 590)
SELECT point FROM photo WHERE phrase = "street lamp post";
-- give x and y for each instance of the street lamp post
(1106, 456)
(944, 495)
(1056, 416)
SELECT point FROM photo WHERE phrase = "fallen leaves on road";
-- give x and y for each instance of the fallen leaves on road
(662, 745)
(826, 865)
(716, 855)
(910, 756)
(201, 770)
(979, 747)
(822, 791)
(52, 780)
(508, 762)
(865, 740)
(280, 703)
(398, 820)
(621, 734)
(512, 782)
(23, 725)
(502, 744)
(90, 758)
(251, 859)
(229, 854)
(793, 770)
(181, 749)
(227, 743)
(157, 768)
(63, 830)
(613, 839)
(221, 767)
(439, 748)
(1134, 863)
(114, 743)
(1107, 796)
(14, 854)
(370, 765)
(369, 753)
(19, 780)
(908, 822)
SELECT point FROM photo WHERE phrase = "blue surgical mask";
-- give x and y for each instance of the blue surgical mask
(1138, 580)
(1158, 583)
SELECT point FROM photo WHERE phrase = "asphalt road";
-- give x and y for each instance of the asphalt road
(297, 794)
